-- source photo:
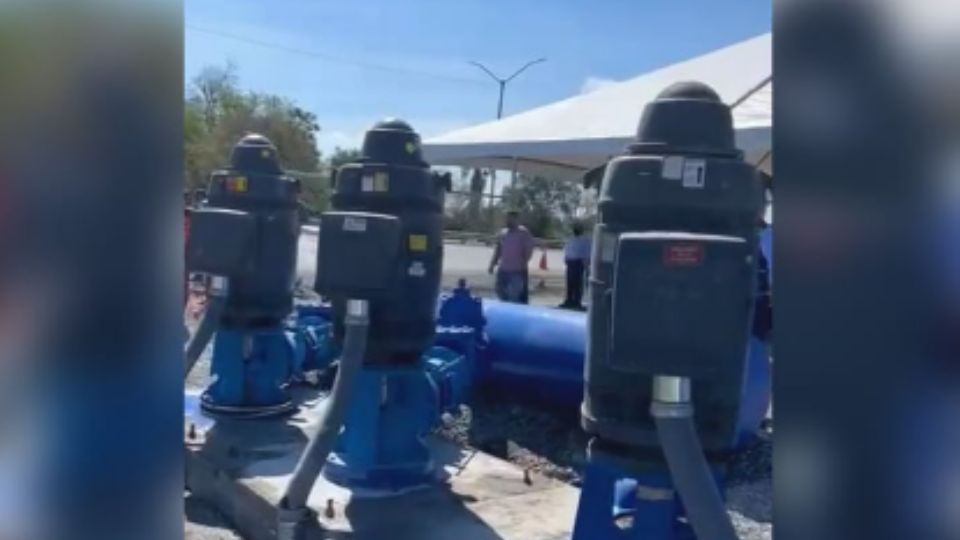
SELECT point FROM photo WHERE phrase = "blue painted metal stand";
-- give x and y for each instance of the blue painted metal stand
(381, 447)
(250, 368)
(391, 411)
(624, 500)
(755, 401)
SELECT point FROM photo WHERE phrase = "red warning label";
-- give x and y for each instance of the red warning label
(683, 254)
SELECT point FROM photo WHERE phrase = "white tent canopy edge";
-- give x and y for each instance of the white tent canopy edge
(571, 136)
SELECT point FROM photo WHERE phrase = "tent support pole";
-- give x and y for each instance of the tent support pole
(751, 92)
(493, 195)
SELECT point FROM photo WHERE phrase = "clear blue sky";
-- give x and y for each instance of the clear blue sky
(369, 59)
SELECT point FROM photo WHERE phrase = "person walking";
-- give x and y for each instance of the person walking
(576, 255)
(511, 255)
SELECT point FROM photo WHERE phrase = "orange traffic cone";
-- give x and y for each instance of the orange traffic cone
(543, 260)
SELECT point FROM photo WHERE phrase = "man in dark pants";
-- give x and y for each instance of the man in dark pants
(576, 254)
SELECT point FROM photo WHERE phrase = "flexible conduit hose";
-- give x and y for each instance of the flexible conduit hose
(217, 295)
(315, 455)
(673, 414)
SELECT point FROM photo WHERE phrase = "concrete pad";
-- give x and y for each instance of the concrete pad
(243, 466)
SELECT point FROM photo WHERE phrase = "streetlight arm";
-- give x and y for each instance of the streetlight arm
(503, 82)
(525, 66)
(490, 73)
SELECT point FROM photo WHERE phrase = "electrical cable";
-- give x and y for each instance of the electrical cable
(330, 57)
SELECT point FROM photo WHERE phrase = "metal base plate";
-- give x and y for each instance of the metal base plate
(210, 406)
(393, 479)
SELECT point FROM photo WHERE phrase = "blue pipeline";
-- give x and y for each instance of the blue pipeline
(536, 354)
(533, 354)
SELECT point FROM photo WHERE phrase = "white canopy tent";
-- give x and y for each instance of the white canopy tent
(569, 137)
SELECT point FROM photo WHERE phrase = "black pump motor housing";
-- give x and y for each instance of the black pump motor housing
(255, 200)
(392, 178)
(672, 271)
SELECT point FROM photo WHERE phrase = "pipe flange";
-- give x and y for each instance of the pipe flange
(208, 405)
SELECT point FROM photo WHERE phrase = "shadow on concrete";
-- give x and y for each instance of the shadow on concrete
(201, 512)
(247, 447)
(435, 513)
(257, 448)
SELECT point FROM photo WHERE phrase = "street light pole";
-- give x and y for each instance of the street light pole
(503, 82)
(503, 86)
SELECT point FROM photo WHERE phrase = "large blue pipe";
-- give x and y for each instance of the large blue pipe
(536, 355)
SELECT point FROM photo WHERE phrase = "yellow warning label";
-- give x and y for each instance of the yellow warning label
(381, 181)
(265, 154)
(418, 242)
(411, 147)
(237, 184)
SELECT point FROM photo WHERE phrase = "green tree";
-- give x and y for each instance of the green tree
(314, 190)
(214, 91)
(341, 156)
(546, 205)
(315, 185)
(217, 114)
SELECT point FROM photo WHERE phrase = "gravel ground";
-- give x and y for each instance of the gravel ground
(531, 439)
(539, 442)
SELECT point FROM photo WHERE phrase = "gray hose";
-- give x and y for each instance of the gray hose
(315, 455)
(691, 474)
(217, 295)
